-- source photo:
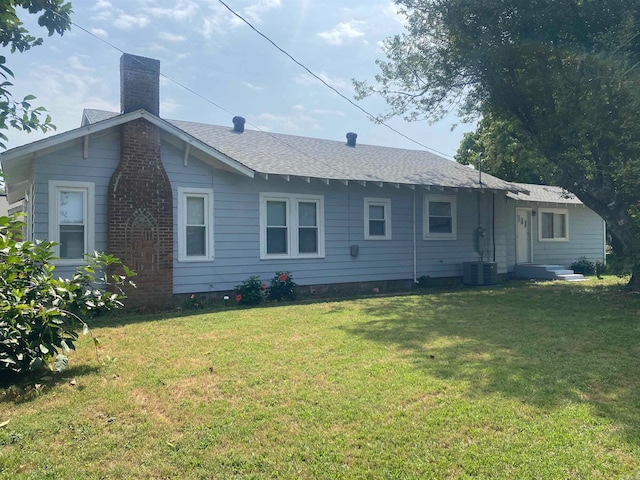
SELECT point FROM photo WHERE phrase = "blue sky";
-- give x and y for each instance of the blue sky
(203, 47)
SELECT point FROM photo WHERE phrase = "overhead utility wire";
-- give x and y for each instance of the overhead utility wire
(190, 90)
(276, 138)
(368, 114)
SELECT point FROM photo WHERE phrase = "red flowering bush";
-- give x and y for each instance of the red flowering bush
(250, 291)
(282, 287)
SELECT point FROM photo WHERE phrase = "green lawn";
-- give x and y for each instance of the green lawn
(518, 381)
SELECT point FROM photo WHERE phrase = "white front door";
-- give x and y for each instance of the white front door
(523, 235)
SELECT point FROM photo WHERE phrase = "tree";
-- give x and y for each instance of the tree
(55, 17)
(503, 150)
(562, 74)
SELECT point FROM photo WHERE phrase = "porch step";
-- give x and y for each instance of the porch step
(547, 272)
(572, 277)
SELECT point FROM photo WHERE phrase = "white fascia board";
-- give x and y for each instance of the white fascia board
(9, 158)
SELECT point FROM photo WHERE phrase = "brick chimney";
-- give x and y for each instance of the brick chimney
(140, 201)
(139, 84)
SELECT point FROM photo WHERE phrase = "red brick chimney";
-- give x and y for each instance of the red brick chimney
(140, 203)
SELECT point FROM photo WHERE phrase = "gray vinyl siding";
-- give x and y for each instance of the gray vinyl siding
(237, 231)
(68, 164)
(586, 236)
(236, 222)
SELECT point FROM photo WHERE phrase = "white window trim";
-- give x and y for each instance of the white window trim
(207, 194)
(291, 201)
(379, 202)
(454, 217)
(555, 211)
(55, 186)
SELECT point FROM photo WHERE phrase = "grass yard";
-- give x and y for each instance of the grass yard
(520, 381)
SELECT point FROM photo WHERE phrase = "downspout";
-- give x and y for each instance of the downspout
(415, 252)
(604, 242)
(493, 226)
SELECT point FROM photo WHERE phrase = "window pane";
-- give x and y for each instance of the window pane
(308, 240)
(440, 209)
(277, 214)
(440, 225)
(377, 228)
(547, 225)
(71, 207)
(71, 241)
(196, 241)
(277, 240)
(559, 226)
(195, 210)
(376, 212)
(307, 214)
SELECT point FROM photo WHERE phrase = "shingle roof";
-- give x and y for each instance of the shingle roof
(545, 193)
(279, 154)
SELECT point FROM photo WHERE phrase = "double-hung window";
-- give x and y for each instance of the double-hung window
(553, 224)
(377, 219)
(195, 224)
(291, 226)
(440, 217)
(72, 219)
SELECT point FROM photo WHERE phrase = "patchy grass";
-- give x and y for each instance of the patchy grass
(522, 381)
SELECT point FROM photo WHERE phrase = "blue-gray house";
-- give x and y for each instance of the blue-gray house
(197, 208)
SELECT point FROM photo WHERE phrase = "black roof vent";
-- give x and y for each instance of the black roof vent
(351, 139)
(238, 124)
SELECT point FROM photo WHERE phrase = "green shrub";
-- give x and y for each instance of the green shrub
(39, 314)
(250, 291)
(583, 266)
(282, 287)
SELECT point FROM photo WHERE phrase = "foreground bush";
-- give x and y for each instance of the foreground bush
(40, 315)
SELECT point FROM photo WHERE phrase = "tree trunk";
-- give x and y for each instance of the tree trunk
(634, 281)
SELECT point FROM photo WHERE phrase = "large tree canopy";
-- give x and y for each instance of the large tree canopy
(54, 16)
(562, 75)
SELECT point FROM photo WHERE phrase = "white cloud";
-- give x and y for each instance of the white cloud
(254, 12)
(101, 5)
(169, 106)
(129, 22)
(99, 32)
(392, 12)
(183, 10)
(76, 63)
(171, 37)
(219, 22)
(251, 86)
(342, 32)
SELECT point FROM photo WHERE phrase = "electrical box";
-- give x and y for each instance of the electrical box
(480, 273)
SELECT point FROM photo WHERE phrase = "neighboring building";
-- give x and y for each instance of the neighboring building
(198, 208)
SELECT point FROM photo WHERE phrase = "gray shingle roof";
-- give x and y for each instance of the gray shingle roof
(545, 193)
(279, 154)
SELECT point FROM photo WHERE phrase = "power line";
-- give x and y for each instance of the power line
(368, 114)
(208, 100)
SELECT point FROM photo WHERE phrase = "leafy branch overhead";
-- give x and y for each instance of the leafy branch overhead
(555, 83)
(55, 17)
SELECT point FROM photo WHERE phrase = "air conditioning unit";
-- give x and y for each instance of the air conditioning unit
(480, 273)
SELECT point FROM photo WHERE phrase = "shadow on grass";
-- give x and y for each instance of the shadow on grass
(22, 390)
(546, 345)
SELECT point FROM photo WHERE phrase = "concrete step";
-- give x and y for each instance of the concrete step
(547, 272)
(572, 277)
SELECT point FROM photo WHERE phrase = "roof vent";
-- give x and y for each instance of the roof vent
(238, 124)
(351, 139)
